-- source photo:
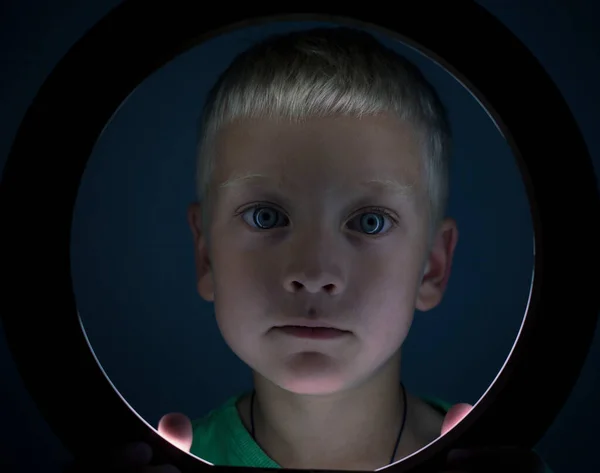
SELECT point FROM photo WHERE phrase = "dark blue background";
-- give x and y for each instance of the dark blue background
(132, 254)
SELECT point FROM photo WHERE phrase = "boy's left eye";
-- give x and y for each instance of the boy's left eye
(372, 222)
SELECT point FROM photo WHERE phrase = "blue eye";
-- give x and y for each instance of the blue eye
(265, 218)
(268, 218)
(371, 223)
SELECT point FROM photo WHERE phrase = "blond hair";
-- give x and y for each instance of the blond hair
(323, 72)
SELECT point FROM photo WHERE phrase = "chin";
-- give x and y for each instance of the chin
(313, 387)
(312, 375)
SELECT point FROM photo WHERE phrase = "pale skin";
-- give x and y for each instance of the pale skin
(324, 404)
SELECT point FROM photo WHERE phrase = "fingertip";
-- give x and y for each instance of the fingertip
(454, 415)
(176, 428)
(174, 421)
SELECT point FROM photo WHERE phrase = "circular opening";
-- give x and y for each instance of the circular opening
(167, 31)
(132, 251)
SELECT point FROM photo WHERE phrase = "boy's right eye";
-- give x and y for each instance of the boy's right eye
(264, 218)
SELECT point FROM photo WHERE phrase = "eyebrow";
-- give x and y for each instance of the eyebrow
(379, 184)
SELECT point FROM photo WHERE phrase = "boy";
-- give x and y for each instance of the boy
(323, 181)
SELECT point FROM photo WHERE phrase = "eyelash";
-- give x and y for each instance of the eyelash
(380, 210)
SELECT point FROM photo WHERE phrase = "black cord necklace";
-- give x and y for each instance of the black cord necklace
(399, 433)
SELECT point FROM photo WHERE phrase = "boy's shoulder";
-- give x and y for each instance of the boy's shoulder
(221, 438)
(212, 431)
(427, 418)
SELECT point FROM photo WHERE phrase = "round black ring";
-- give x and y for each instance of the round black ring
(86, 88)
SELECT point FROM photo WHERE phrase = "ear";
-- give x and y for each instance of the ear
(438, 265)
(204, 274)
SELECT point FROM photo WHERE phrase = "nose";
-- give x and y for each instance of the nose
(313, 283)
(313, 270)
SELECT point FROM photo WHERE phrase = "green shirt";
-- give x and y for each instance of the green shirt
(221, 438)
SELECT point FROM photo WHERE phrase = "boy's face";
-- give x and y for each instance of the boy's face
(339, 239)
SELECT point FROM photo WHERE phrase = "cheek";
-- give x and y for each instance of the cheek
(240, 275)
(241, 295)
(390, 277)
(388, 321)
(242, 307)
(387, 298)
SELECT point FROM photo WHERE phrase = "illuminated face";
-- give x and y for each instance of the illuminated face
(316, 224)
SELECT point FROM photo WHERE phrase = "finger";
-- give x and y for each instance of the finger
(454, 415)
(177, 429)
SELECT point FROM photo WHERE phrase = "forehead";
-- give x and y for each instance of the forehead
(328, 152)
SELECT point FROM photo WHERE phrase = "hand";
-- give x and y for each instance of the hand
(487, 460)
(136, 457)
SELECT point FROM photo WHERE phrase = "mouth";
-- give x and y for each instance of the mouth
(311, 332)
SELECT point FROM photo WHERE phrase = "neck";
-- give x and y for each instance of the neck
(353, 429)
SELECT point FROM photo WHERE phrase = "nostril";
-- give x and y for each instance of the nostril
(296, 285)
